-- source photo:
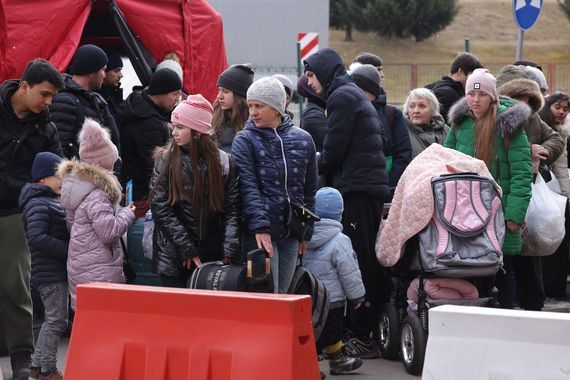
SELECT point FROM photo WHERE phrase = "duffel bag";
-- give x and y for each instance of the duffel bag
(214, 275)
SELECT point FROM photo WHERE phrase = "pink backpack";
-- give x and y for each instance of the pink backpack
(466, 232)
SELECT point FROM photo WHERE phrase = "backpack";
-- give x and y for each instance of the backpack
(466, 232)
(304, 282)
(148, 229)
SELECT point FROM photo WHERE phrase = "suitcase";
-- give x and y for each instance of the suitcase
(215, 275)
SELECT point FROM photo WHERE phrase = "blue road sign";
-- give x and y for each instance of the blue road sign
(526, 12)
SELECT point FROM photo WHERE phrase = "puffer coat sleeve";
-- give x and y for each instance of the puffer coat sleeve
(255, 205)
(346, 264)
(232, 214)
(108, 225)
(165, 218)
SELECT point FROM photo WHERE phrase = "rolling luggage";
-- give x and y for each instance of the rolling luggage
(252, 277)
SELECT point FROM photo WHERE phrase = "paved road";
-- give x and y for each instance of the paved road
(371, 369)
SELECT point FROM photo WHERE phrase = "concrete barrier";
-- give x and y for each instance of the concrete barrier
(482, 343)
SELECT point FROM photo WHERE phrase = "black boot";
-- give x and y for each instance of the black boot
(21, 362)
(340, 363)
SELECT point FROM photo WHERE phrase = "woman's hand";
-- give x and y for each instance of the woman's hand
(188, 263)
(512, 226)
(264, 242)
(132, 207)
(303, 248)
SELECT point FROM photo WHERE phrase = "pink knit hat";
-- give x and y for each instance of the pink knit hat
(95, 145)
(482, 80)
(195, 113)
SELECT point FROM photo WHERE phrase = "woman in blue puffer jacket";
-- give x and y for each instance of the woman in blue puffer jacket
(277, 166)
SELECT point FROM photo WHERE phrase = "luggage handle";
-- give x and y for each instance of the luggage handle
(250, 256)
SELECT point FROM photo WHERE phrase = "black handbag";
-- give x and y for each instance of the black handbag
(299, 219)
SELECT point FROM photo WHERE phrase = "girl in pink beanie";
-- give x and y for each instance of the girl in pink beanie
(491, 128)
(194, 197)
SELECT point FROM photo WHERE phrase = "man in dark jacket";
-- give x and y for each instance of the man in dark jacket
(111, 89)
(313, 119)
(144, 118)
(354, 163)
(397, 144)
(79, 100)
(449, 89)
(25, 129)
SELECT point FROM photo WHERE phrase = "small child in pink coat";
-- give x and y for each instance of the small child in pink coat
(91, 196)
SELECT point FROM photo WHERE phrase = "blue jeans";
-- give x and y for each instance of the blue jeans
(283, 262)
(55, 299)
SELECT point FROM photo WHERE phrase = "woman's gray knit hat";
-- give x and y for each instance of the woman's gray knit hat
(270, 91)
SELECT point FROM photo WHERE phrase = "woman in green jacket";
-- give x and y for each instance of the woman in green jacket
(491, 129)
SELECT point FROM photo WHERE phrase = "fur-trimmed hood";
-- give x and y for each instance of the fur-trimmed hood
(517, 88)
(509, 122)
(80, 179)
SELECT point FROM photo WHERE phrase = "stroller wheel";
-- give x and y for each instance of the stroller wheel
(413, 344)
(389, 331)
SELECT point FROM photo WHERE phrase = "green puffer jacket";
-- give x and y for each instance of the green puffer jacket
(512, 170)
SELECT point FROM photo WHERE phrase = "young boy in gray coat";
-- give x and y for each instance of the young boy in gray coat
(332, 260)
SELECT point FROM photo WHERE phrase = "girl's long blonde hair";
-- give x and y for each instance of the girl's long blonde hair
(485, 131)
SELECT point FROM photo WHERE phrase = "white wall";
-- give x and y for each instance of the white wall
(264, 32)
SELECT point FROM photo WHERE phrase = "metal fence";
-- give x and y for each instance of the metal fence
(401, 78)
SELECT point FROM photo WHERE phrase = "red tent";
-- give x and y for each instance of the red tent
(145, 29)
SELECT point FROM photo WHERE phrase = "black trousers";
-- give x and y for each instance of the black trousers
(506, 284)
(528, 273)
(361, 220)
(332, 332)
(555, 266)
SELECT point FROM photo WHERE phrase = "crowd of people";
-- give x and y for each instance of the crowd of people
(222, 179)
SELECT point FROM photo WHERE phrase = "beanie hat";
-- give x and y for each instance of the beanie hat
(195, 113)
(237, 78)
(329, 204)
(114, 60)
(95, 145)
(270, 91)
(366, 58)
(163, 82)
(44, 165)
(366, 77)
(88, 59)
(286, 82)
(482, 80)
(537, 76)
(172, 65)
(509, 73)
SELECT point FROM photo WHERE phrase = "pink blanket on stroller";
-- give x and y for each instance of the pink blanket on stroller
(412, 204)
(443, 289)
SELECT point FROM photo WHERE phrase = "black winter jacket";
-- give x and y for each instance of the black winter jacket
(144, 127)
(397, 143)
(263, 156)
(46, 231)
(182, 233)
(70, 108)
(114, 98)
(314, 121)
(353, 157)
(448, 92)
(20, 140)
